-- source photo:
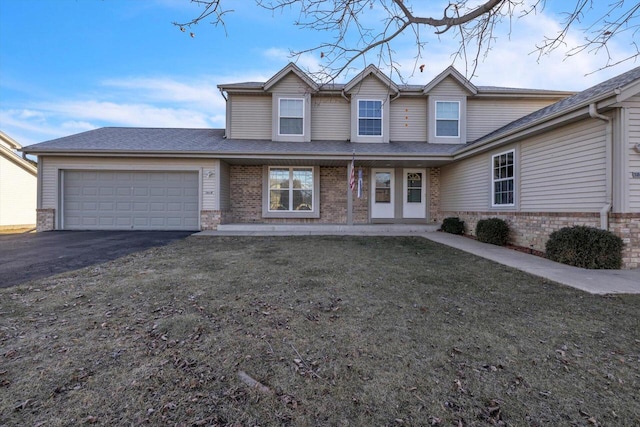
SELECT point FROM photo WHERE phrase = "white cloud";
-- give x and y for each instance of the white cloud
(166, 89)
(120, 114)
(75, 126)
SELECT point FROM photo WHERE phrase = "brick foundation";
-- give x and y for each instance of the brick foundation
(532, 229)
(45, 219)
(210, 219)
(627, 226)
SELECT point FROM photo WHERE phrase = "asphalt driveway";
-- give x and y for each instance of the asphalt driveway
(30, 256)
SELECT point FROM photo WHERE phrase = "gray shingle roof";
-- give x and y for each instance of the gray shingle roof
(579, 100)
(212, 141)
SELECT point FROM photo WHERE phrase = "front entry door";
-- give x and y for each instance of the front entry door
(382, 193)
(414, 204)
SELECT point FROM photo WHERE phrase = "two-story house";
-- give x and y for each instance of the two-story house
(368, 151)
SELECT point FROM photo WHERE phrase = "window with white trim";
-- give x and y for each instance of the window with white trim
(448, 119)
(290, 189)
(369, 117)
(291, 116)
(503, 179)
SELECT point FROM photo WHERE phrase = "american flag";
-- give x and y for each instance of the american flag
(352, 178)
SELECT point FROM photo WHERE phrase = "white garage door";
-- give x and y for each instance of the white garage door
(127, 200)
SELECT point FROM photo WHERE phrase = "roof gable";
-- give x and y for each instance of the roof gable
(374, 71)
(455, 75)
(7, 145)
(291, 68)
(10, 142)
(615, 89)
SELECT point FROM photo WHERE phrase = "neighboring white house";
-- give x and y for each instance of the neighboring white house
(18, 186)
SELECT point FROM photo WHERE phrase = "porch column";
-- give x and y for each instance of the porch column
(349, 196)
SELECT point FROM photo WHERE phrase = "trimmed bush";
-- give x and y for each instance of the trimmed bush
(493, 230)
(453, 225)
(585, 247)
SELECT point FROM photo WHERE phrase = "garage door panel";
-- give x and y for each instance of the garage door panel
(130, 200)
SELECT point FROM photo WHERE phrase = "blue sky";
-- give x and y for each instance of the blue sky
(67, 66)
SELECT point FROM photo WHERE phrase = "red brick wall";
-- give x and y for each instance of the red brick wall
(246, 194)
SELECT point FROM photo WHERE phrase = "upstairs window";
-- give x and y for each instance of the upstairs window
(369, 118)
(291, 116)
(503, 179)
(447, 119)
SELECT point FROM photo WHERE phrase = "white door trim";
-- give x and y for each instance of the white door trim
(414, 209)
(384, 205)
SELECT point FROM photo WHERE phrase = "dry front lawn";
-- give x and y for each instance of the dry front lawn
(357, 331)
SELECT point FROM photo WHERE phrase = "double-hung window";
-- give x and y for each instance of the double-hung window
(290, 189)
(503, 179)
(447, 119)
(369, 118)
(291, 116)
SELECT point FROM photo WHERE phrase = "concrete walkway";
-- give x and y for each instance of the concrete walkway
(592, 281)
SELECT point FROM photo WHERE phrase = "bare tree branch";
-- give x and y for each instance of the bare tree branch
(351, 38)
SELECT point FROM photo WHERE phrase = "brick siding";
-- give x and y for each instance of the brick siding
(627, 226)
(246, 198)
(434, 193)
(532, 229)
(45, 219)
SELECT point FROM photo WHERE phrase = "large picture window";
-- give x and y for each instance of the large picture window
(290, 189)
(447, 119)
(291, 116)
(369, 118)
(503, 179)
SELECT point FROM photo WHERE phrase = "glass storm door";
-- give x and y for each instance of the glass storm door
(414, 204)
(382, 193)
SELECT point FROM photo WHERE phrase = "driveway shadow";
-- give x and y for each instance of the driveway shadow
(31, 256)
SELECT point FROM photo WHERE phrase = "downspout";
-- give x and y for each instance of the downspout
(604, 212)
(226, 120)
(343, 95)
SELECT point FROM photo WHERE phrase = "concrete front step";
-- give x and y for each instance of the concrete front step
(320, 229)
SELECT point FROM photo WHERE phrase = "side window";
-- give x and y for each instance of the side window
(503, 179)
(291, 116)
(369, 118)
(447, 119)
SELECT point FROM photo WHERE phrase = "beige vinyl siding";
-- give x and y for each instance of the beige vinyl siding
(634, 156)
(51, 167)
(465, 185)
(250, 116)
(18, 189)
(330, 119)
(409, 119)
(486, 115)
(209, 183)
(448, 87)
(290, 84)
(225, 188)
(447, 90)
(564, 170)
(371, 86)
